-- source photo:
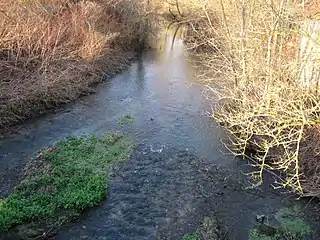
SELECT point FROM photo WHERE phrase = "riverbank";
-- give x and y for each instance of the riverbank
(53, 51)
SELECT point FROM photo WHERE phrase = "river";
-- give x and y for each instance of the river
(180, 173)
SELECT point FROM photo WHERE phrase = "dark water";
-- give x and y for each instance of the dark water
(176, 178)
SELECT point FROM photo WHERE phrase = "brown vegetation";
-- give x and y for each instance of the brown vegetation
(52, 51)
(262, 73)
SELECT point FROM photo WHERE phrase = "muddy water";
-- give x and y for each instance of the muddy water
(177, 177)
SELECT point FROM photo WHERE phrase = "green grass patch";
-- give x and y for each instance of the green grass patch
(127, 119)
(292, 227)
(291, 222)
(64, 180)
(192, 236)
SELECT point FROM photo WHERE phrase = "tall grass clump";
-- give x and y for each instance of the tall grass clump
(51, 51)
(261, 73)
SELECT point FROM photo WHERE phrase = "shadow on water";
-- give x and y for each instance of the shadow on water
(177, 176)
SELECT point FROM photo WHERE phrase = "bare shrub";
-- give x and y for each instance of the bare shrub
(52, 51)
(254, 81)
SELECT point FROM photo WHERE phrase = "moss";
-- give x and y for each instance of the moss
(292, 227)
(127, 119)
(291, 222)
(71, 177)
(192, 236)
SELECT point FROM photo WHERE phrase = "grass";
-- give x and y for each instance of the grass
(260, 64)
(191, 236)
(53, 51)
(63, 181)
(291, 222)
(127, 119)
(292, 227)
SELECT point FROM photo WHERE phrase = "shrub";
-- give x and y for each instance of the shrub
(52, 51)
(261, 61)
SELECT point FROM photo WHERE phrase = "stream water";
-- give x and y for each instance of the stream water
(178, 176)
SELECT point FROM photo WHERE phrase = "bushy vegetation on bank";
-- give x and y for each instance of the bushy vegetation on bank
(261, 62)
(52, 51)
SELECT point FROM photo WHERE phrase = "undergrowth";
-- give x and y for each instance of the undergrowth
(52, 51)
(62, 181)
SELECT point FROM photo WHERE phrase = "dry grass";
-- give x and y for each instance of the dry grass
(52, 51)
(262, 71)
